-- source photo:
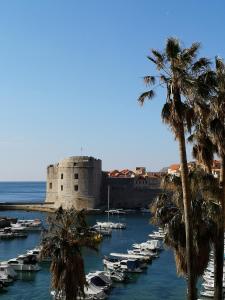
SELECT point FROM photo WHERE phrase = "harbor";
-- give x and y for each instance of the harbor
(148, 284)
(162, 271)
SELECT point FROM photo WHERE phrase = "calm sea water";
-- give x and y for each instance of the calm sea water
(158, 282)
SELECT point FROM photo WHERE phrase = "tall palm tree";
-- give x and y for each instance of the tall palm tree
(217, 130)
(168, 212)
(209, 138)
(180, 72)
(67, 233)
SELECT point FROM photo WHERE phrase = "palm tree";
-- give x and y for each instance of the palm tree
(208, 139)
(217, 130)
(168, 212)
(67, 233)
(183, 76)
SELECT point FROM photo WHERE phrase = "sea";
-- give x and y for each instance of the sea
(159, 281)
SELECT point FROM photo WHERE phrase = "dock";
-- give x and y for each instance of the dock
(28, 206)
(39, 206)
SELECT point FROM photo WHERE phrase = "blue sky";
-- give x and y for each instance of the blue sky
(71, 73)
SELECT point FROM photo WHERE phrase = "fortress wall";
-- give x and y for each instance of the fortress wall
(124, 194)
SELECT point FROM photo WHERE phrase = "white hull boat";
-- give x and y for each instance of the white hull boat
(24, 263)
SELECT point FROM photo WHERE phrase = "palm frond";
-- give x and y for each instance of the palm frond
(146, 95)
(149, 80)
(172, 48)
(200, 64)
(189, 53)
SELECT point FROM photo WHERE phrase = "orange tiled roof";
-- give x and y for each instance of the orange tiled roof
(174, 167)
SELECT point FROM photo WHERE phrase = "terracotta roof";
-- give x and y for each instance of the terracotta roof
(174, 167)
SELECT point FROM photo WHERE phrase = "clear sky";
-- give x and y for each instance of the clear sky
(71, 73)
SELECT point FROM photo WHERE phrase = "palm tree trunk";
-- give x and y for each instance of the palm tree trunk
(191, 278)
(219, 244)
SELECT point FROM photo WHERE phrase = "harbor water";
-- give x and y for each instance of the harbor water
(159, 281)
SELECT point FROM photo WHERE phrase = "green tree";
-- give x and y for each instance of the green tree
(67, 233)
(183, 75)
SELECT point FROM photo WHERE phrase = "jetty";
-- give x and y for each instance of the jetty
(40, 206)
(28, 206)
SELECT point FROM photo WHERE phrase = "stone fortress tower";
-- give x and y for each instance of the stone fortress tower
(74, 182)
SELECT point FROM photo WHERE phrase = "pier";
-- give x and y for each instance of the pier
(28, 206)
(39, 206)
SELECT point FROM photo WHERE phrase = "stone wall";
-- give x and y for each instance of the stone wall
(75, 181)
(124, 194)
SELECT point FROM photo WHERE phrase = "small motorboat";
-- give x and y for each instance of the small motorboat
(25, 262)
(8, 270)
(99, 282)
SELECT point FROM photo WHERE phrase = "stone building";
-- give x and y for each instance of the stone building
(75, 181)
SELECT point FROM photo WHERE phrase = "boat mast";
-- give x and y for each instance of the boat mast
(108, 201)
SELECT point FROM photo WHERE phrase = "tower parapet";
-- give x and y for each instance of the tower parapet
(75, 182)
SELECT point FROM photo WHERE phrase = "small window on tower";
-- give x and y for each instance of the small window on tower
(62, 176)
(61, 187)
(76, 176)
(76, 188)
(50, 185)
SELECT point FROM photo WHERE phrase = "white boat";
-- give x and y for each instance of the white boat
(153, 245)
(91, 292)
(111, 225)
(118, 276)
(5, 278)
(17, 227)
(147, 253)
(108, 224)
(99, 280)
(116, 211)
(8, 270)
(29, 225)
(129, 256)
(208, 293)
(24, 263)
(6, 235)
(131, 266)
(160, 234)
(102, 231)
(36, 252)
